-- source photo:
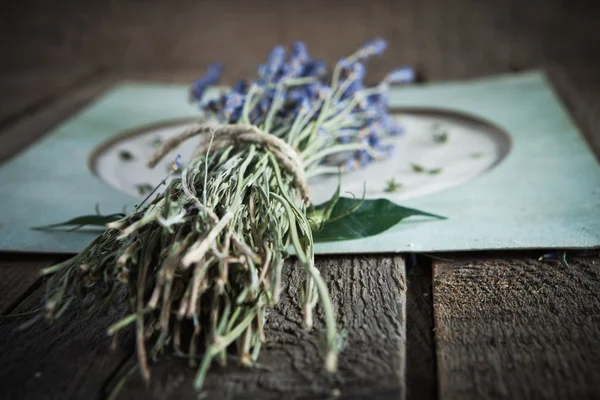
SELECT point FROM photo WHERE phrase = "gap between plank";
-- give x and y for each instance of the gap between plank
(421, 370)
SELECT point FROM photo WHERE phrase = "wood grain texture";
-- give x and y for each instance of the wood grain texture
(69, 359)
(31, 127)
(26, 91)
(18, 273)
(517, 328)
(369, 298)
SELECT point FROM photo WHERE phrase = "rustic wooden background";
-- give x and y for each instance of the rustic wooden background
(480, 325)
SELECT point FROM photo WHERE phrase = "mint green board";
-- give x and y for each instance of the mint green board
(544, 194)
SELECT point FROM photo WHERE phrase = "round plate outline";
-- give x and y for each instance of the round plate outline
(500, 135)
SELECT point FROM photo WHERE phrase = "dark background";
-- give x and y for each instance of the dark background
(42, 41)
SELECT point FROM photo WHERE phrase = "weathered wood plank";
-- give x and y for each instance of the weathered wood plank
(18, 273)
(69, 359)
(26, 91)
(32, 126)
(517, 328)
(369, 296)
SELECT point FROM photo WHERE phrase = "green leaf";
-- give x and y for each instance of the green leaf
(417, 167)
(84, 220)
(392, 186)
(371, 218)
(144, 188)
(125, 155)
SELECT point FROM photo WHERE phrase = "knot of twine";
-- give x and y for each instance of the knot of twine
(227, 135)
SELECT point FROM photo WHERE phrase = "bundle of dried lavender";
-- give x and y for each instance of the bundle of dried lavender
(209, 251)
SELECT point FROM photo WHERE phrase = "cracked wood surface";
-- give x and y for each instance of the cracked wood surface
(68, 359)
(369, 297)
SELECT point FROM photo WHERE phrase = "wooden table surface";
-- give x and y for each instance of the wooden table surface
(497, 325)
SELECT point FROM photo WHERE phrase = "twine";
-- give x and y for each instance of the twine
(228, 135)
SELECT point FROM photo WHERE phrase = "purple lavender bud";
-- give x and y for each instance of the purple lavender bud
(176, 163)
(279, 96)
(213, 106)
(197, 90)
(299, 52)
(370, 48)
(264, 104)
(371, 103)
(349, 165)
(276, 57)
(344, 139)
(374, 140)
(235, 115)
(290, 70)
(296, 95)
(274, 63)
(343, 63)
(391, 126)
(388, 151)
(313, 89)
(234, 101)
(241, 86)
(376, 128)
(363, 103)
(354, 87)
(364, 158)
(213, 73)
(255, 116)
(316, 68)
(378, 106)
(357, 71)
(259, 84)
(397, 130)
(401, 75)
(304, 105)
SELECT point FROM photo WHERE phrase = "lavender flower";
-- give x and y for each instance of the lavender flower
(213, 73)
(313, 90)
(350, 165)
(391, 126)
(352, 118)
(317, 68)
(176, 165)
(296, 95)
(364, 158)
(401, 75)
(274, 63)
(290, 70)
(234, 101)
(356, 74)
(299, 53)
(241, 86)
(344, 139)
(304, 105)
(371, 48)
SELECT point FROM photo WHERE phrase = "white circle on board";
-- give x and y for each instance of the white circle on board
(438, 150)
